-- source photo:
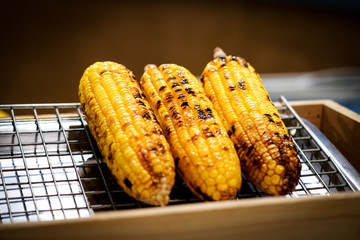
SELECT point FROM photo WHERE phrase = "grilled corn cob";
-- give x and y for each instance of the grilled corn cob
(267, 154)
(204, 155)
(127, 132)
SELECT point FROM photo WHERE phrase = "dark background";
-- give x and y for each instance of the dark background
(46, 46)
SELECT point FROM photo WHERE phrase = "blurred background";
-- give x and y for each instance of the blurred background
(302, 49)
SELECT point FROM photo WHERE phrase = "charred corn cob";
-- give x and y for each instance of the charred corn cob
(265, 147)
(204, 155)
(127, 132)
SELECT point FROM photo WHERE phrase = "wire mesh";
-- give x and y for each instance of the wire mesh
(51, 169)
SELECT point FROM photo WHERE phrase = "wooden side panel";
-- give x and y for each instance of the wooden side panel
(279, 218)
(310, 110)
(342, 127)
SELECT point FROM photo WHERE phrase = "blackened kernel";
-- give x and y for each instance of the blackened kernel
(137, 95)
(105, 71)
(269, 117)
(174, 114)
(229, 133)
(146, 115)
(249, 150)
(184, 104)
(286, 137)
(178, 90)
(244, 63)
(152, 148)
(277, 134)
(209, 112)
(184, 81)
(276, 115)
(181, 96)
(201, 114)
(158, 104)
(232, 88)
(233, 58)
(241, 85)
(162, 88)
(169, 98)
(180, 123)
(172, 77)
(141, 103)
(175, 85)
(222, 59)
(172, 108)
(196, 106)
(187, 89)
(143, 95)
(233, 128)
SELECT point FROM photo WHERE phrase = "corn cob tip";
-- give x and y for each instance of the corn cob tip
(218, 52)
(148, 66)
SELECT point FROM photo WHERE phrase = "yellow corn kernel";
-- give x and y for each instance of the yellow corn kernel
(126, 132)
(262, 141)
(199, 142)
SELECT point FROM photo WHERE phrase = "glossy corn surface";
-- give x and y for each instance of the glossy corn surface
(126, 132)
(267, 154)
(204, 155)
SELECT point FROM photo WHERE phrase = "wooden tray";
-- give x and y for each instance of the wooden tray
(323, 217)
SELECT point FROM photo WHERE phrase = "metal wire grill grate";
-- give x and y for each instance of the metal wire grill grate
(50, 167)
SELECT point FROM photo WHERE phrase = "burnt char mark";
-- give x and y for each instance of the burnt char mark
(158, 104)
(207, 132)
(233, 128)
(277, 134)
(137, 95)
(105, 71)
(162, 88)
(167, 131)
(244, 63)
(176, 115)
(279, 124)
(209, 112)
(232, 88)
(222, 59)
(141, 103)
(268, 116)
(268, 98)
(172, 108)
(181, 96)
(234, 58)
(184, 104)
(196, 106)
(152, 148)
(229, 133)
(241, 85)
(190, 91)
(184, 81)
(286, 137)
(127, 183)
(146, 115)
(195, 137)
(180, 123)
(203, 195)
(110, 156)
(178, 90)
(201, 114)
(170, 78)
(249, 150)
(276, 115)
(175, 85)
(169, 97)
